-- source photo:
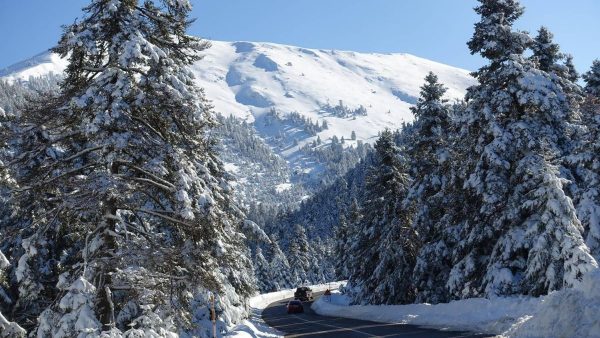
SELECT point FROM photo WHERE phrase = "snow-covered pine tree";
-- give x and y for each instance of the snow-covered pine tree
(299, 255)
(573, 76)
(439, 254)
(496, 41)
(345, 259)
(341, 236)
(545, 52)
(262, 271)
(525, 238)
(385, 183)
(131, 203)
(546, 55)
(28, 286)
(429, 156)
(592, 79)
(585, 161)
(280, 268)
(397, 248)
(325, 257)
(321, 262)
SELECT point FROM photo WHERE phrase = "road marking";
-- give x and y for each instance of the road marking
(357, 329)
(328, 325)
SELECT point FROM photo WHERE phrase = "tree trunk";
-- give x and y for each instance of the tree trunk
(105, 304)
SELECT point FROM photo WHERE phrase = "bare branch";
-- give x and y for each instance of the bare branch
(147, 173)
(164, 217)
(81, 153)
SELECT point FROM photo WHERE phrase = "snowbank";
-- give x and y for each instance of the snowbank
(566, 313)
(255, 327)
(477, 314)
(562, 314)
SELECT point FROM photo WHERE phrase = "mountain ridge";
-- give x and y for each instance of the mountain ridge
(300, 99)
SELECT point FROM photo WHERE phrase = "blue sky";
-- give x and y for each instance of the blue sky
(433, 29)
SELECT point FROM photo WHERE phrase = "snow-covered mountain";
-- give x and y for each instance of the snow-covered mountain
(247, 79)
(354, 93)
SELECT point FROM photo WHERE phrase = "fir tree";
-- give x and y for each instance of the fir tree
(545, 51)
(516, 123)
(321, 268)
(585, 162)
(347, 260)
(299, 255)
(546, 54)
(280, 268)
(592, 79)
(428, 149)
(127, 200)
(573, 76)
(386, 183)
(341, 248)
(262, 271)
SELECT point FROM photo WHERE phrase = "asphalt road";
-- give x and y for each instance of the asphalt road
(309, 324)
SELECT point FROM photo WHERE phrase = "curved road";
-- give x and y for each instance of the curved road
(309, 324)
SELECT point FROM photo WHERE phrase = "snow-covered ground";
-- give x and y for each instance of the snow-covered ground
(562, 314)
(255, 327)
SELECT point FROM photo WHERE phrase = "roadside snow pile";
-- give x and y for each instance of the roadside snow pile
(255, 327)
(566, 313)
(562, 314)
(477, 314)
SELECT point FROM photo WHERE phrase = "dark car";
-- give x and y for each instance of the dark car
(295, 306)
(303, 293)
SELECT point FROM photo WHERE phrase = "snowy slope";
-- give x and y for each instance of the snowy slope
(246, 79)
(41, 64)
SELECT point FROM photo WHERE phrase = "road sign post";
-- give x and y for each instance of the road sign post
(328, 295)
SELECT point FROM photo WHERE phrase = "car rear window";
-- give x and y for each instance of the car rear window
(295, 302)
